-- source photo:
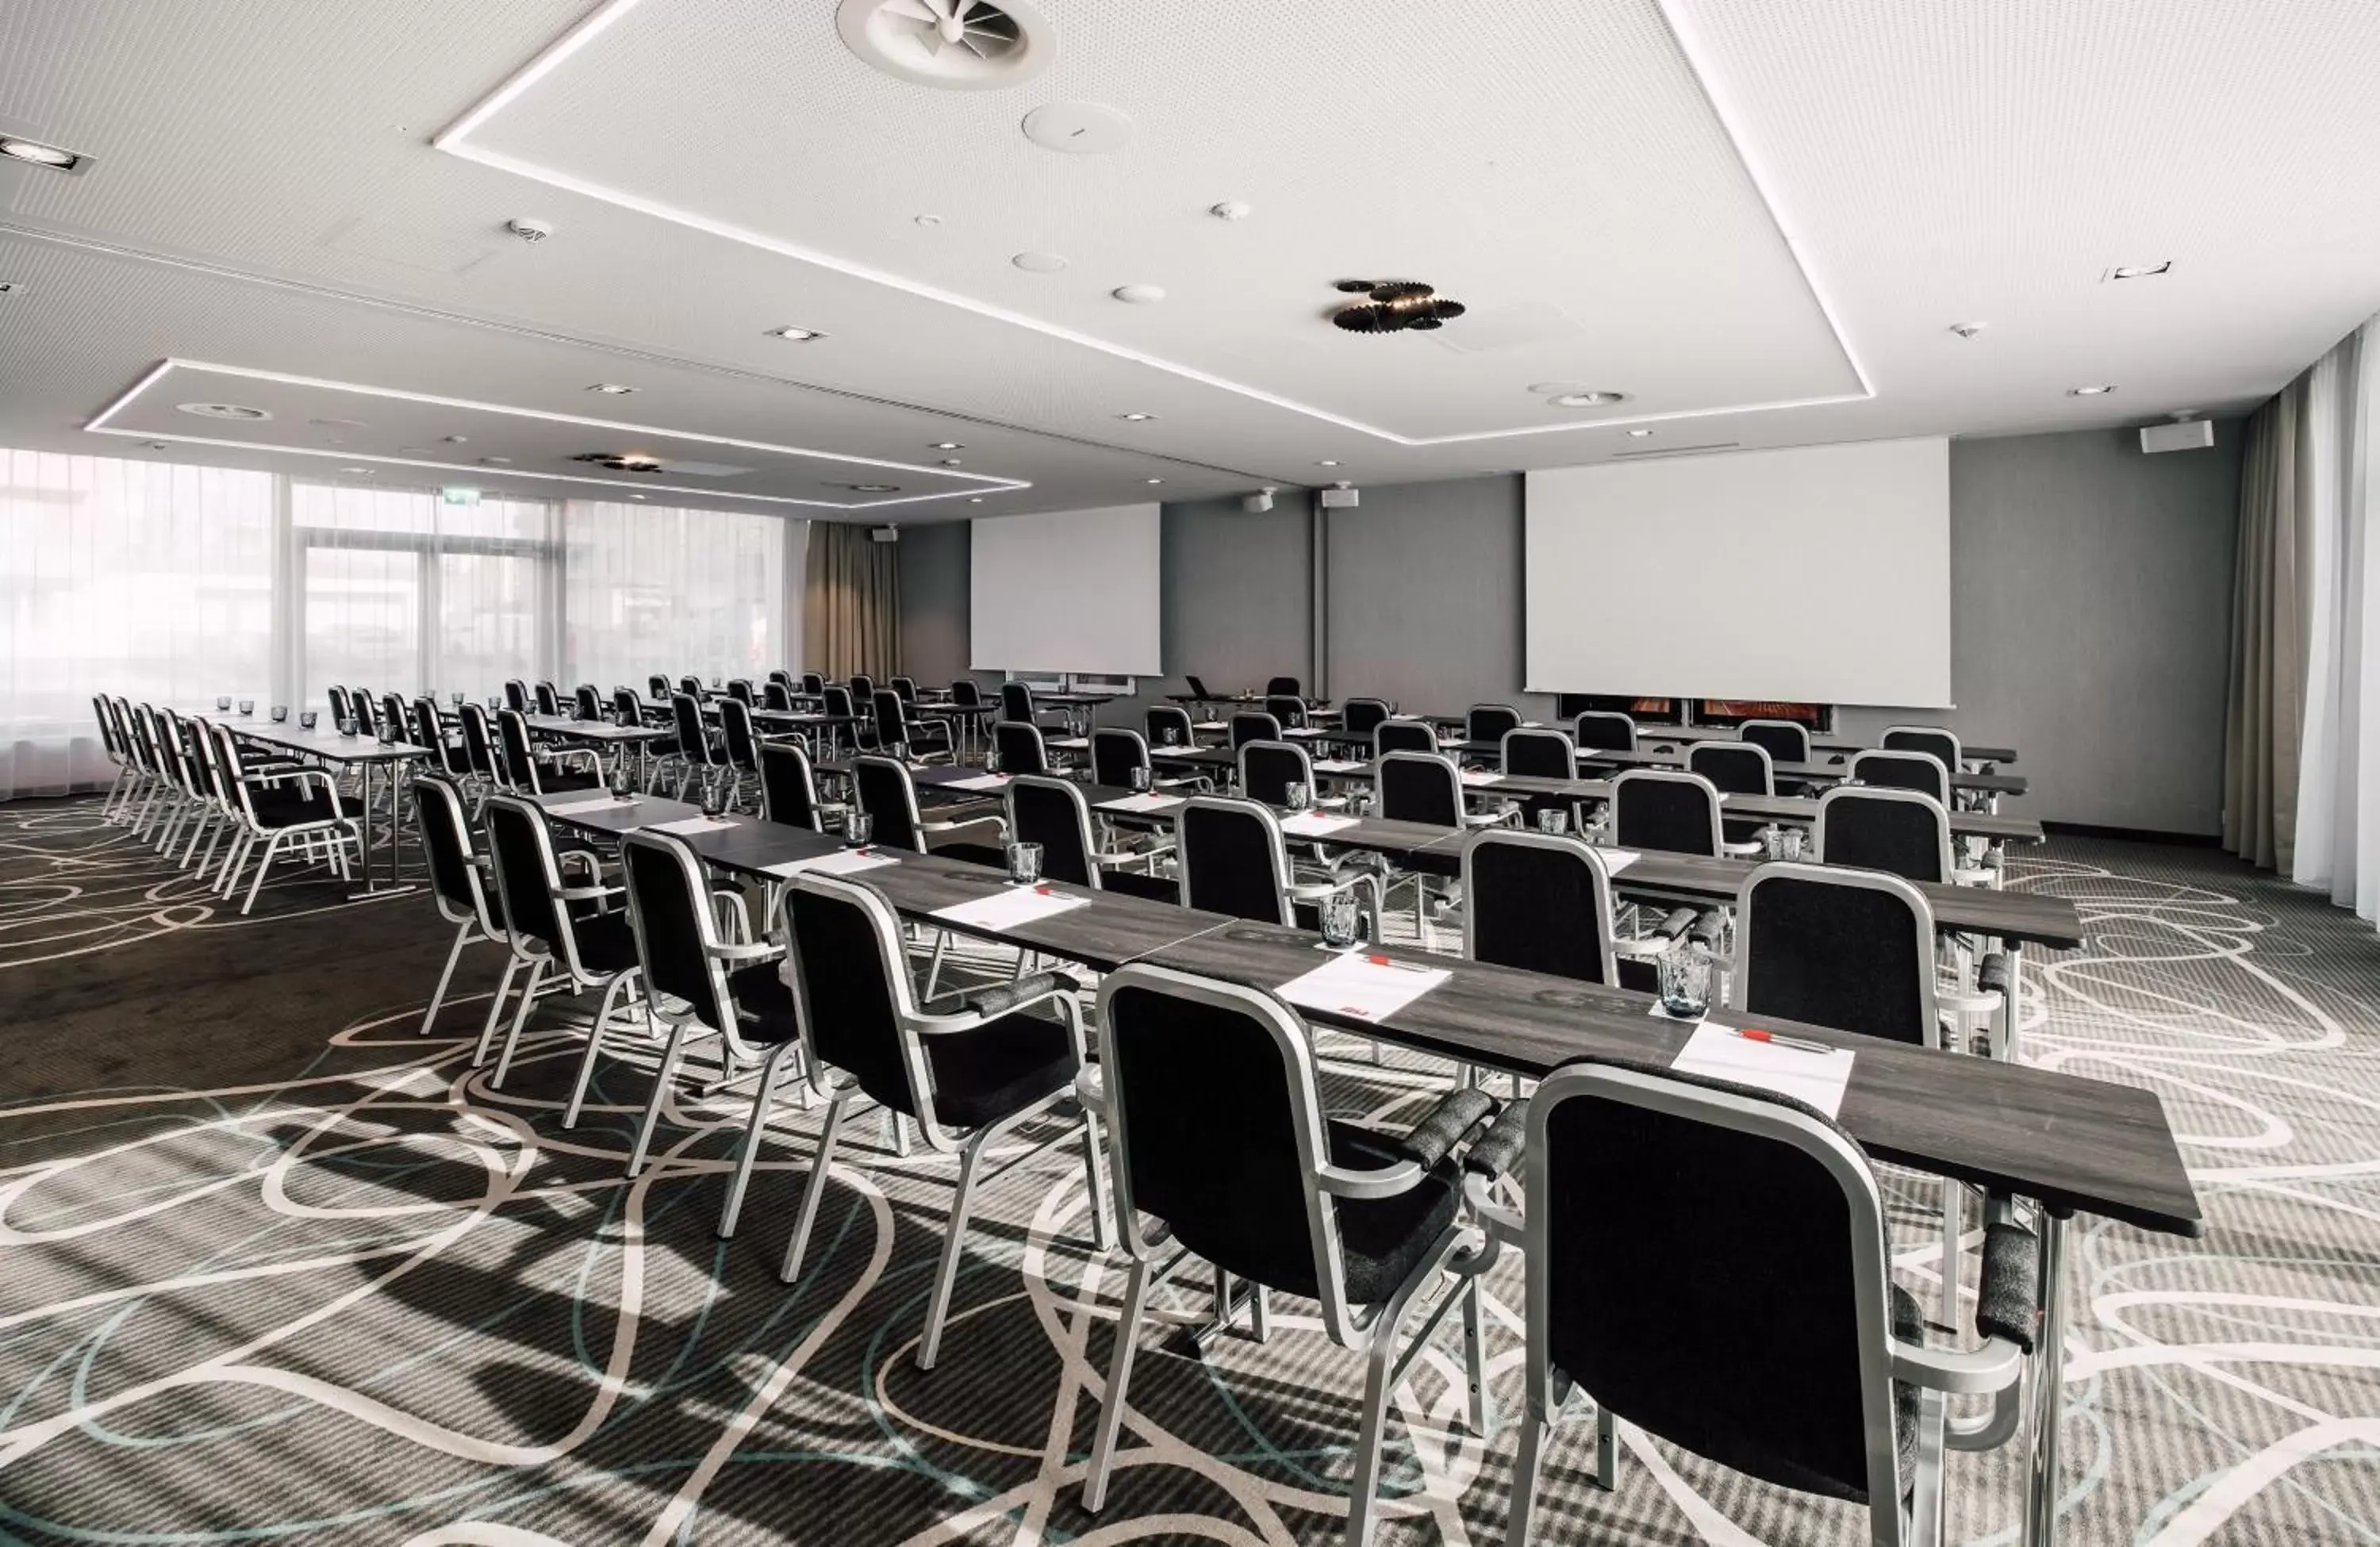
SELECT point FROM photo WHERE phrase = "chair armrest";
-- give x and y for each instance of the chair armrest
(1504, 1226)
(1707, 927)
(1493, 1152)
(2008, 1294)
(588, 755)
(995, 1000)
(587, 894)
(1388, 1181)
(1673, 925)
(1994, 1366)
(759, 950)
(300, 771)
(1091, 1089)
(1992, 975)
(1446, 1125)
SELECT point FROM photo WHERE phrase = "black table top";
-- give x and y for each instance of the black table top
(323, 741)
(1987, 784)
(570, 729)
(1648, 735)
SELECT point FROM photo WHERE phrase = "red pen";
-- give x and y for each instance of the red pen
(1754, 1034)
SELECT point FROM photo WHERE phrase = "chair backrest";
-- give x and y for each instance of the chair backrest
(892, 721)
(1539, 903)
(107, 737)
(1904, 831)
(1737, 767)
(1232, 859)
(446, 844)
(740, 689)
(686, 716)
(549, 702)
(1943, 744)
(520, 764)
(1850, 950)
(1052, 812)
(338, 697)
(1358, 718)
(1163, 717)
(1115, 752)
(1254, 724)
(391, 712)
(1287, 708)
(669, 910)
(1020, 747)
(1785, 740)
(863, 686)
(1282, 685)
(480, 741)
(520, 848)
(813, 684)
(788, 793)
(657, 686)
(517, 694)
(837, 700)
(885, 791)
(626, 707)
(1403, 736)
(1657, 808)
(1539, 754)
(735, 728)
(426, 732)
(1268, 768)
(692, 685)
(1917, 770)
(1488, 722)
(779, 673)
(965, 693)
(1419, 786)
(1635, 1292)
(1218, 1131)
(907, 687)
(1605, 730)
(775, 695)
(586, 703)
(359, 704)
(1016, 701)
(851, 985)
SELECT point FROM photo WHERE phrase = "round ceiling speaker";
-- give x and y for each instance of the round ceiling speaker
(222, 411)
(958, 45)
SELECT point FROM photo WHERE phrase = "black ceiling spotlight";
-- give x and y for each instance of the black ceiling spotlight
(620, 461)
(1394, 306)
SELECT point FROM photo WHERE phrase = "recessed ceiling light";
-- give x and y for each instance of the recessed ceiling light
(636, 496)
(975, 499)
(2139, 270)
(222, 411)
(612, 389)
(497, 461)
(1327, 462)
(2089, 391)
(1136, 419)
(1157, 480)
(364, 471)
(930, 220)
(1639, 435)
(952, 462)
(1595, 398)
(798, 335)
(1139, 294)
(55, 157)
(948, 446)
(455, 440)
(1040, 263)
(873, 488)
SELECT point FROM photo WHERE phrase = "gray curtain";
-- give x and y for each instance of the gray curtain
(2265, 712)
(851, 603)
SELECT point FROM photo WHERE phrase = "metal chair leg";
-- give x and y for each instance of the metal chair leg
(438, 996)
(520, 1019)
(797, 1245)
(594, 1048)
(1135, 1305)
(661, 1078)
(762, 1096)
(953, 1246)
(496, 1009)
(264, 868)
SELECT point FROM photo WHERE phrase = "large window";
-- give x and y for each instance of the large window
(118, 577)
(675, 591)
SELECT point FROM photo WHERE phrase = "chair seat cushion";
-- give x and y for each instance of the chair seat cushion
(764, 1003)
(998, 1069)
(276, 811)
(1382, 1240)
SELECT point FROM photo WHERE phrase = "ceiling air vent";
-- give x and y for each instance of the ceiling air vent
(959, 45)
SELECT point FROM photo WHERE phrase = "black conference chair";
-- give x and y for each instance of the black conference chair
(1018, 745)
(427, 731)
(366, 717)
(1267, 768)
(699, 985)
(392, 713)
(788, 793)
(1358, 718)
(1906, 832)
(464, 893)
(907, 687)
(970, 1068)
(575, 934)
(1736, 768)
(1404, 736)
(1053, 813)
(839, 707)
(517, 694)
(549, 702)
(1232, 860)
(1918, 771)
(779, 673)
(480, 747)
(1170, 726)
(889, 796)
(1944, 744)
(340, 710)
(813, 685)
(740, 689)
(585, 703)
(699, 756)
(776, 697)
(1288, 709)
(1222, 1140)
(1488, 722)
(1660, 808)
(1604, 730)
(863, 686)
(1419, 786)
(1543, 904)
(561, 770)
(1282, 687)
(740, 745)
(657, 688)
(691, 686)
(1115, 754)
(1254, 724)
(1783, 740)
(280, 805)
(1534, 752)
(1017, 706)
(1636, 1296)
(900, 733)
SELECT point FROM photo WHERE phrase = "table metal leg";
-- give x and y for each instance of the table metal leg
(2008, 1049)
(2049, 1389)
(370, 887)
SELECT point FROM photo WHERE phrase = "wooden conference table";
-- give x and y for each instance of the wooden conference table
(2072, 1145)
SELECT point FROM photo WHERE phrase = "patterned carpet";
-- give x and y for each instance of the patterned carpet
(273, 1264)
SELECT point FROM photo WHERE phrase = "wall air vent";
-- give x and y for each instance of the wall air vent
(957, 45)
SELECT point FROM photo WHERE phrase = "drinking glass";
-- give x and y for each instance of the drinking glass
(309, 718)
(458, 701)
(280, 713)
(714, 799)
(1139, 780)
(247, 706)
(1685, 970)
(1343, 918)
(1553, 821)
(857, 825)
(992, 759)
(346, 724)
(1772, 842)
(222, 704)
(387, 734)
(495, 702)
(1359, 800)
(623, 780)
(1023, 864)
(1794, 843)
(1172, 737)
(1298, 796)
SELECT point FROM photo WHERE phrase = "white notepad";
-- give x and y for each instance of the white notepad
(1070, 743)
(691, 825)
(1301, 731)
(1336, 765)
(1010, 909)
(1314, 824)
(1209, 725)
(1481, 777)
(1141, 803)
(981, 781)
(593, 803)
(1367, 987)
(1814, 1079)
(1617, 859)
(851, 862)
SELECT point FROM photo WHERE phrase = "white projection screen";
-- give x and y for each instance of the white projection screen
(1074, 591)
(1818, 575)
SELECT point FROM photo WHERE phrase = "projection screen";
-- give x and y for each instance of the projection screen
(1072, 590)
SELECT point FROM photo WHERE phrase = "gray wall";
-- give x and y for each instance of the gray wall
(2091, 605)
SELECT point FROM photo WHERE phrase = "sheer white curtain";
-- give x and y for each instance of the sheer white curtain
(2338, 771)
(659, 589)
(141, 579)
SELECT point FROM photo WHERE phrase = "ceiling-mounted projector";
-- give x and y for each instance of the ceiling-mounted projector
(1260, 502)
(1342, 497)
(2189, 435)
